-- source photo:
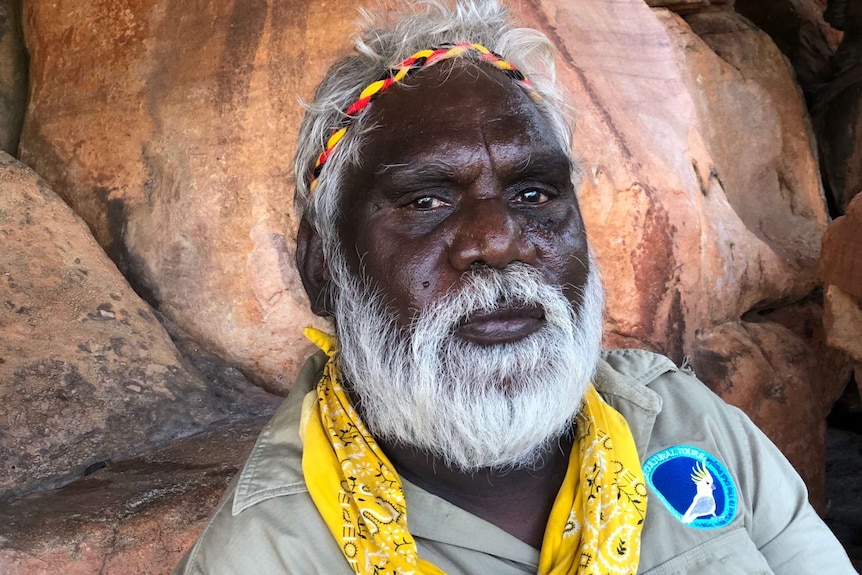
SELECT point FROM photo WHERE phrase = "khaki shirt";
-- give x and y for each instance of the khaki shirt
(266, 523)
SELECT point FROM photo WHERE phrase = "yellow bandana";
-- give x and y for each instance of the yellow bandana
(595, 523)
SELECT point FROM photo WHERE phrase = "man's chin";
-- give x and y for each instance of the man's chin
(495, 418)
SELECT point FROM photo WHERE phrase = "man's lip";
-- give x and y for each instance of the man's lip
(502, 325)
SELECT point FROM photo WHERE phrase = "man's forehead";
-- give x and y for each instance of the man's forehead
(548, 160)
(446, 54)
(460, 104)
(438, 90)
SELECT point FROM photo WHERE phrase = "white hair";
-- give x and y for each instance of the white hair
(386, 39)
(473, 406)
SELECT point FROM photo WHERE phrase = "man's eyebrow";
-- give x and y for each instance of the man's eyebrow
(426, 170)
(542, 161)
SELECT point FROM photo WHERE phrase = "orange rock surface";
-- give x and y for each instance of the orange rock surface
(88, 375)
(135, 517)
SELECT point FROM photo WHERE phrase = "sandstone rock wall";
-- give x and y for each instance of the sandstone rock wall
(169, 127)
(87, 373)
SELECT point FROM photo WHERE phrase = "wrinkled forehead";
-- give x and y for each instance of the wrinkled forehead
(454, 105)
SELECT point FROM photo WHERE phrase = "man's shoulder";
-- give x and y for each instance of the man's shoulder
(625, 377)
(270, 535)
(640, 366)
(653, 382)
(267, 518)
(667, 405)
(274, 466)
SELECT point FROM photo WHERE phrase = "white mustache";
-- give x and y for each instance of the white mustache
(485, 290)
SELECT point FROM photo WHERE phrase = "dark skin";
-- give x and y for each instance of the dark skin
(462, 171)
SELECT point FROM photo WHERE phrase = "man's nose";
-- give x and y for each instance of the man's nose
(489, 232)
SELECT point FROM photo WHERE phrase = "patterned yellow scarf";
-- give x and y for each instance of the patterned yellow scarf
(595, 522)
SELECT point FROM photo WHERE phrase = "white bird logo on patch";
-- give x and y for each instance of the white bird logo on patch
(704, 502)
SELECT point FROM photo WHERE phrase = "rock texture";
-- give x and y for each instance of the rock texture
(837, 109)
(843, 322)
(690, 6)
(132, 517)
(841, 271)
(805, 320)
(13, 76)
(841, 260)
(173, 142)
(87, 373)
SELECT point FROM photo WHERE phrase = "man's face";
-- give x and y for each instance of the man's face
(461, 171)
(467, 311)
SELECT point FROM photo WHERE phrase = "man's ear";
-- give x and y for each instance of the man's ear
(313, 269)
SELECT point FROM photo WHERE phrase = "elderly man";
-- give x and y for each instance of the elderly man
(464, 420)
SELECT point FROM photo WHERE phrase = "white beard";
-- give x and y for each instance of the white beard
(474, 406)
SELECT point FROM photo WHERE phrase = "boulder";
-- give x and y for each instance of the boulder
(806, 319)
(841, 260)
(841, 272)
(87, 373)
(13, 76)
(757, 131)
(843, 322)
(137, 516)
(174, 143)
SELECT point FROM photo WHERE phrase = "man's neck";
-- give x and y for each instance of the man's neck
(518, 501)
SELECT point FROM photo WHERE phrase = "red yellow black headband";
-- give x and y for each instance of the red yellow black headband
(417, 61)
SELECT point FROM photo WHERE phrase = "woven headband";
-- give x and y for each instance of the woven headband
(406, 68)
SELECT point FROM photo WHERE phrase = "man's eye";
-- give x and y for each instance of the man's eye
(426, 203)
(532, 196)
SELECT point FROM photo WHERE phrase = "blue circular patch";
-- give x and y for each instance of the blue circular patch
(695, 487)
